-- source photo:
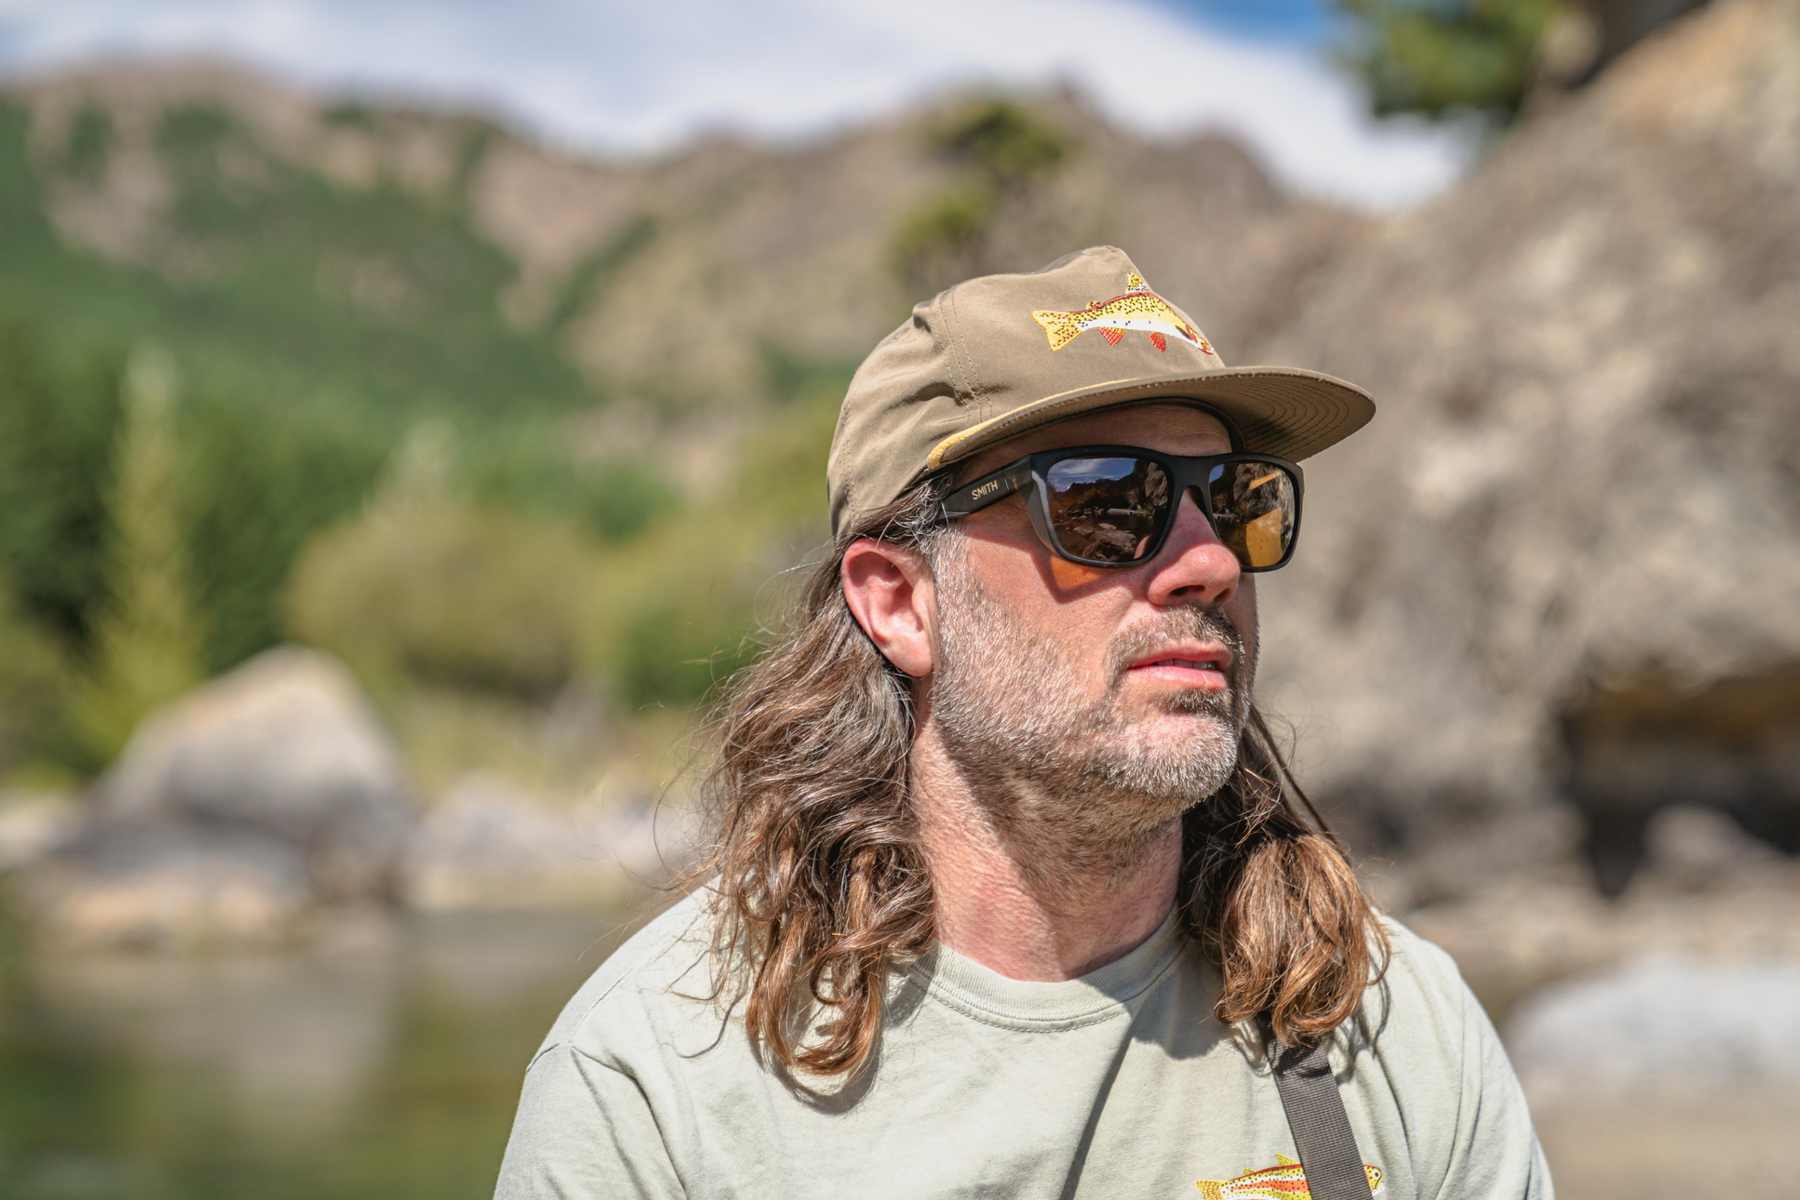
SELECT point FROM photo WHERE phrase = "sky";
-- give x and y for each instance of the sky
(630, 76)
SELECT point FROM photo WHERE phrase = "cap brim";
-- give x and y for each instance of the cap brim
(1285, 411)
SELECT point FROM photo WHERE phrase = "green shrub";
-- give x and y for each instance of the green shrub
(1004, 154)
(450, 594)
(1004, 142)
(680, 608)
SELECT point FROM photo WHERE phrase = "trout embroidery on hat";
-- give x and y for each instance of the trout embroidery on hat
(1137, 308)
(1286, 1180)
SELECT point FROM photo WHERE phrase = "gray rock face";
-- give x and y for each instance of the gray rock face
(1665, 1020)
(1563, 564)
(233, 814)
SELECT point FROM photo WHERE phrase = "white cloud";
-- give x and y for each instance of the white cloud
(618, 75)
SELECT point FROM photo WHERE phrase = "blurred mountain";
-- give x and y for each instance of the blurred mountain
(431, 260)
(1560, 573)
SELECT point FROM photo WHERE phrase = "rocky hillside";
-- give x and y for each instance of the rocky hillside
(678, 279)
(1560, 573)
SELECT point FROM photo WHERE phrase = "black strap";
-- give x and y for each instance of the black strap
(1315, 1113)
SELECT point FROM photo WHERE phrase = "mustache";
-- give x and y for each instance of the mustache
(1182, 624)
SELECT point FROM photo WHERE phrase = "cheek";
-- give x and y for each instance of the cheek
(1072, 577)
(1075, 633)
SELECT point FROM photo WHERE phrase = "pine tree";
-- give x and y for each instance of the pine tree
(147, 646)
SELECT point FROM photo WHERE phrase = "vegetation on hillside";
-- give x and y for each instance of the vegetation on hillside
(266, 279)
(1443, 58)
(300, 412)
(1440, 57)
(1002, 154)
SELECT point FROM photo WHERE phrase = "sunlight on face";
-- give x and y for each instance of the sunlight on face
(1122, 691)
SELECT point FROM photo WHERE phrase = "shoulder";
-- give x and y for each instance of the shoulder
(1421, 1018)
(1419, 975)
(1433, 1084)
(661, 969)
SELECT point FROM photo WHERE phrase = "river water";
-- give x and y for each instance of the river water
(388, 1071)
(391, 1070)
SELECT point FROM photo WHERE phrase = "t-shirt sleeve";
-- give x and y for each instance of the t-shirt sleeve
(584, 1131)
(1495, 1152)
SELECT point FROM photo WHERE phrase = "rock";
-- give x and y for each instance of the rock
(491, 846)
(285, 744)
(1666, 1020)
(237, 816)
(34, 825)
(1561, 568)
(1693, 849)
(173, 887)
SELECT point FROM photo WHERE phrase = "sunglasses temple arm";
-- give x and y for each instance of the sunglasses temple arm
(989, 489)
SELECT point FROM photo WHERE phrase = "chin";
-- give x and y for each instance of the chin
(1169, 733)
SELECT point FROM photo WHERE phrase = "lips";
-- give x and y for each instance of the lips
(1214, 658)
(1191, 665)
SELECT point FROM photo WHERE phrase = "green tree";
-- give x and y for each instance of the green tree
(146, 645)
(57, 429)
(257, 479)
(1439, 57)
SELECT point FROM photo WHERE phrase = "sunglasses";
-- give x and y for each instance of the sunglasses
(1113, 506)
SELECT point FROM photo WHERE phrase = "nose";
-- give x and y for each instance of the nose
(1193, 566)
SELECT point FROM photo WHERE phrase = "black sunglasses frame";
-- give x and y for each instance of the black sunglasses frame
(1186, 474)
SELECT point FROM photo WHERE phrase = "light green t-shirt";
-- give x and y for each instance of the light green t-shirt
(1118, 1084)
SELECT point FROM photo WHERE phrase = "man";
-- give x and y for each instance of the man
(1012, 895)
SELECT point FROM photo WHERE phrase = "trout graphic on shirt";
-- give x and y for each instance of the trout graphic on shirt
(1138, 308)
(1286, 1180)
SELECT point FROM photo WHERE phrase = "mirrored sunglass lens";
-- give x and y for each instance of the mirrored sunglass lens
(1107, 509)
(1254, 510)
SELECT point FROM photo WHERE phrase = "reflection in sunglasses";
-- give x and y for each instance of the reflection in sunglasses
(1263, 539)
(1256, 483)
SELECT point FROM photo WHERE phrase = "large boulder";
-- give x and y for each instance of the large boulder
(235, 814)
(1552, 589)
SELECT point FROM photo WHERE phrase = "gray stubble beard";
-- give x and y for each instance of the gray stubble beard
(1059, 775)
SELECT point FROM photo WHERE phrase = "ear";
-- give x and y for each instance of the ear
(893, 597)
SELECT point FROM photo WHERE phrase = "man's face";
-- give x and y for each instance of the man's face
(1115, 695)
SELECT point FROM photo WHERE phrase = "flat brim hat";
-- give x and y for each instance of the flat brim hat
(996, 356)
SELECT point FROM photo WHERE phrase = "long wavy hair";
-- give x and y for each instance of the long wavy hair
(819, 885)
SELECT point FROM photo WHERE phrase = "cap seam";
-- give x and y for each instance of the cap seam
(960, 345)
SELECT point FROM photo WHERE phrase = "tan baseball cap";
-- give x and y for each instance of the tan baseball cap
(995, 356)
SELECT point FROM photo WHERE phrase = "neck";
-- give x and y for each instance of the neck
(1012, 894)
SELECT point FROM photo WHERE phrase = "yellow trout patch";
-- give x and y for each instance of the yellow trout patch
(1138, 308)
(1286, 1180)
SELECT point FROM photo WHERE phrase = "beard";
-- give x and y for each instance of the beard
(1075, 781)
